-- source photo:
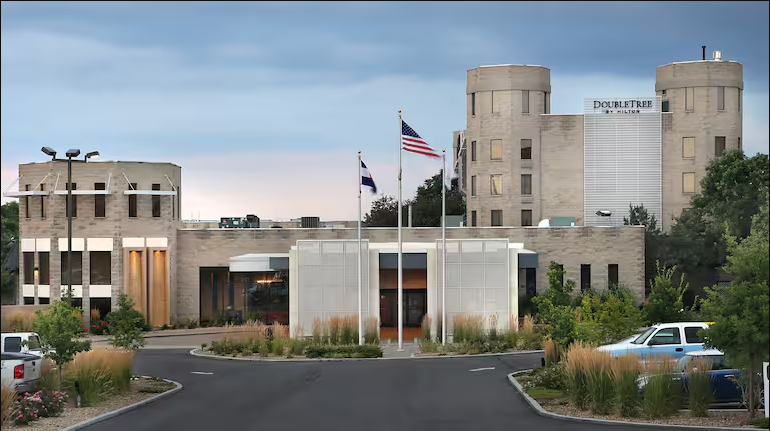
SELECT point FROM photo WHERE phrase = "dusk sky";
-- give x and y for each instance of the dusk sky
(265, 104)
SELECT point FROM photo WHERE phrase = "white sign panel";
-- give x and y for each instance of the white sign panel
(636, 105)
(766, 372)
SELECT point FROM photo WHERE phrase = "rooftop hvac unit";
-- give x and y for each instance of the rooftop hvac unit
(717, 55)
(252, 221)
(310, 222)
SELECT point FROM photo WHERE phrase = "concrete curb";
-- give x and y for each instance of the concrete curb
(170, 333)
(545, 413)
(197, 352)
(109, 415)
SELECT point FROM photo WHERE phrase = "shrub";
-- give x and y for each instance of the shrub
(529, 337)
(317, 330)
(552, 352)
(126, 325)
(335, 325)
(562, 325)
(699, 390)
(609, 317)
(8, 396)
(99, 327)
(47, 403)
(662, 394)
(550, 377)
(58, 328)
(372, 330)
(600, 382)
(467, 328)
(763, 423)
(577, 374)
(429, 346)
(425, 327)
(625, 372)
(351, 351)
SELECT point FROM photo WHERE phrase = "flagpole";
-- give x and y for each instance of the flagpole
(443, 249)
(400, 269)
(360, 320)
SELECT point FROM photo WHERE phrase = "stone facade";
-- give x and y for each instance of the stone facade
(570, 247)
(495, 111)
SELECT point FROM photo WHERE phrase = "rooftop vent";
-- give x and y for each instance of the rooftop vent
(717, 55)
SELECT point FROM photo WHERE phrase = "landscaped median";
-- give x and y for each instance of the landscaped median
(590, 385)
(100, 380)
(335, 338)
(472, 337)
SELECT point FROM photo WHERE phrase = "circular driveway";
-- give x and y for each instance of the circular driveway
(392, 395)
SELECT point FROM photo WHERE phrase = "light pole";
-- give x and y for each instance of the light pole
(70, 154)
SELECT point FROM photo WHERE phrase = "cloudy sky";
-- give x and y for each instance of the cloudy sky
(265, 104)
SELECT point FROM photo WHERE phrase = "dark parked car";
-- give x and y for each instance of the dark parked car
(724, 378)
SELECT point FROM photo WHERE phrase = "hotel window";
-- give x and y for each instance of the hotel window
(44, 268)
(664, 106)
(473, 218)
(497, 217)
(688, 182)
(42, 202)
(132, 202)
(496, 184)
(473, 151)
(688, 147)
(719, 146)
(473, 103)
(526, 217)
(77, 268)
(526, 149)
(101, 268)
(156, 201)
(561, 274)
(100, 201)
(740, 99)
(496, 149)
(689, 99)
(612, 275)
(526, 184)
(74, 201)
(29, 267)
(26, 202)
(545, 102)
(492, 100)
(179, 200)
(525, 101)
(720, 98)
(585, 278)
(473, 185)
(740, 147)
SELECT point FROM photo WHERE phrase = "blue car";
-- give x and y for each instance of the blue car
(724, 378)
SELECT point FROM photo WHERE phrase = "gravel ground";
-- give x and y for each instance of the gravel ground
(72, 416)
(714, 419)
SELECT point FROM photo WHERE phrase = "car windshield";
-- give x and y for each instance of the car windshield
(645, 335)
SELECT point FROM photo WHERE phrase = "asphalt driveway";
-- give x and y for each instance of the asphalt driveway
(391, 395)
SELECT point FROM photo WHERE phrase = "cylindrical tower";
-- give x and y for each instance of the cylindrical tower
(504, 104)
(701, 104)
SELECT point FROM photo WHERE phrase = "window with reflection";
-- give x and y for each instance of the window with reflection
(262, 295)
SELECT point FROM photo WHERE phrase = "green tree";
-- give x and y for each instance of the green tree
(59, 328)
(563, 326)
(125, 325)
(609, 317)
(558, 294)
(741, 310)
(9, 236)
(426, 206)
(666, 301)
(654, 239)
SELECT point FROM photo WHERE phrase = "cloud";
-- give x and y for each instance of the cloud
(251, 136)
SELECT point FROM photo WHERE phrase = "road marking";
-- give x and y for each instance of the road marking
(482, 369)
(201, 372)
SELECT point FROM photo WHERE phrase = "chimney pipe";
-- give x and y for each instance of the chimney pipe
(704, 52)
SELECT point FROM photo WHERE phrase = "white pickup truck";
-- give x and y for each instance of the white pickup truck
(21, 342)
(21, 370)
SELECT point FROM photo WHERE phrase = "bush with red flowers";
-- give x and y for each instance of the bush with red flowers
(100, 328)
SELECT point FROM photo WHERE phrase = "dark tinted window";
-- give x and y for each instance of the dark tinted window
(12, 344)
(691, 334)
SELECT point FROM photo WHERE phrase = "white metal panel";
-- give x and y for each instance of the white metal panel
(97, 291)
(77, 290)
(78, 244)
(99, 244)
(157, 242)
(256, 262)
(43, 291)
(27, 244)
(150, 192)
(82, 192)
(622, 158)
(327, 280)
(133, 242)
(43, 244)
(28, 290)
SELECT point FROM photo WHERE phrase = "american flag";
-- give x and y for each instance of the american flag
(412, 142)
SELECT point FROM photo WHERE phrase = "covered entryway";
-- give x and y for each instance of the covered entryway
(415, 301)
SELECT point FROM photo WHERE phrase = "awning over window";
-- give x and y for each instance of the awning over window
(527, 259)
(64, 192)
(132, 191)
(22, 193)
